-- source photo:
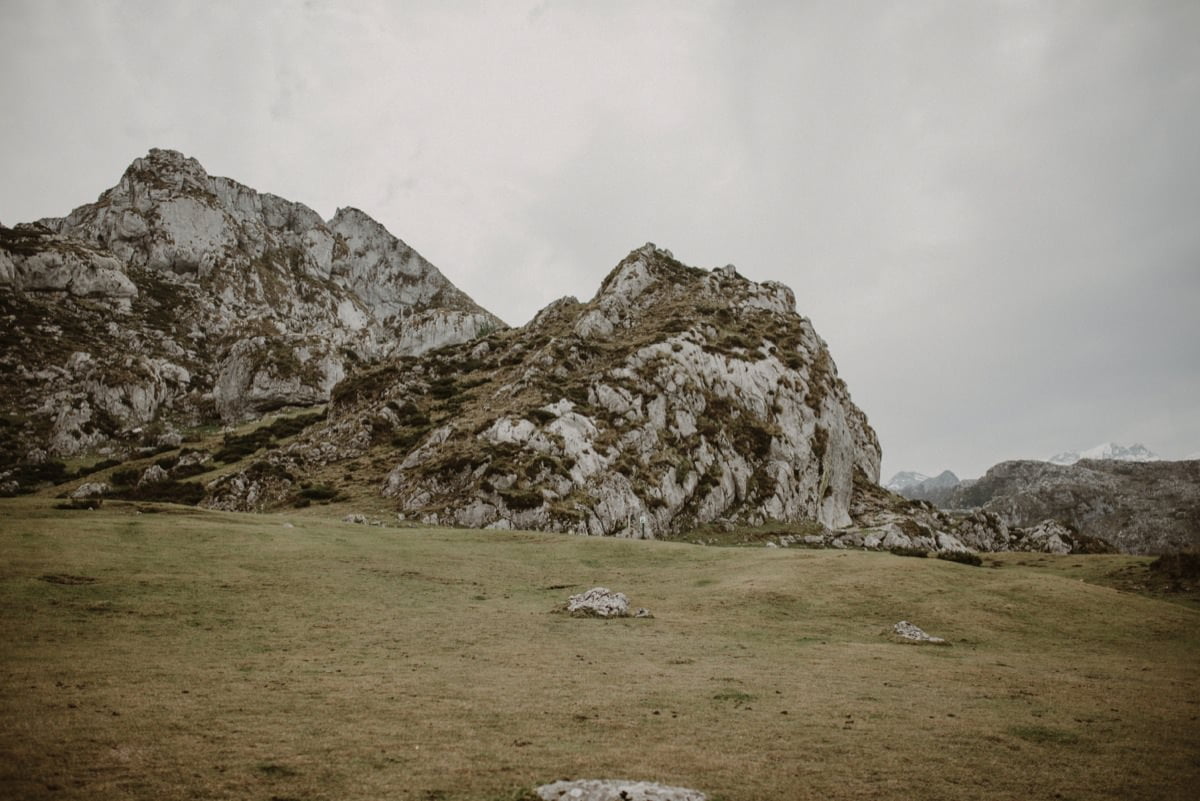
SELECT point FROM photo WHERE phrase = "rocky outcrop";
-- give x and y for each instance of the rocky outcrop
(908, 632)
(886, 520)
(1139, 507)
(602, 602)
(32, 260)
(179, 298)
(675, 397)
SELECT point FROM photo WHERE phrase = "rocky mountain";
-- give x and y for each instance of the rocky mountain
(935, 490)
(1140, 507)
(179, 299)
(1107, 450)
(675, 397)
(884, 519)
(905, 479)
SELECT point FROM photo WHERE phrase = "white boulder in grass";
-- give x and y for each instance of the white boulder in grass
(907, 631)
(92, 489)
(615, 790)
(602, 602)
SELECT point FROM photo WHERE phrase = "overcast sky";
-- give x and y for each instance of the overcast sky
(990, 210)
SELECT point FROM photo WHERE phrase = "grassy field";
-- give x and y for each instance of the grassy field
(191, 654)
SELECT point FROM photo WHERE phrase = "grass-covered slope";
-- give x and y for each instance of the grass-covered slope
(196, 654)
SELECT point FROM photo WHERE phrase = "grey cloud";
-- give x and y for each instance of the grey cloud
(987, 209)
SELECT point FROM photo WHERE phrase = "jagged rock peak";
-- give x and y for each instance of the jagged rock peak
(163, 166)
(649, 269)
(180, 298)
(350, 215)
(675, 397)
(650, 283)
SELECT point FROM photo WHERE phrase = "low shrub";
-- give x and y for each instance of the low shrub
(962, 557)
(188, 470)
(239, 446)
(407, 440)
(170, 491)
(98, 466)
(408, 414)
(540, 416)
(1182, 565)
(126, 477)
(267, 470)
(543, 462)
(290, 426)
(442, 388)
(319, 493)
(518, 499)
(54, 472)
(920, 553)
(80, 503)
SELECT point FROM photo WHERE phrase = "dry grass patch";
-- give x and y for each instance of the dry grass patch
(227, 656)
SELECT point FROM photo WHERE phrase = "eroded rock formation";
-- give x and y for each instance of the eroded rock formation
(675, 397)
(179, 298)
(1140, 507)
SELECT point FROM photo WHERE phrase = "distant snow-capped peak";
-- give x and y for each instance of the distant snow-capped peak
(905, 479)
(1108, 450)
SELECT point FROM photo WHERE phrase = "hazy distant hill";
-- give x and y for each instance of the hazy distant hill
(1107, 450)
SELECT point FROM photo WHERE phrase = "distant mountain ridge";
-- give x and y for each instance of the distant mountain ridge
(1140, 507)
(1125, 495)
(1107, 450)
(905, 479)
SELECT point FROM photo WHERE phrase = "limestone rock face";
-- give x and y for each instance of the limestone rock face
(675, 397)
(34, 261)
(179, 298)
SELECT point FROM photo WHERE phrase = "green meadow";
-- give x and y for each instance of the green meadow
(158, 651)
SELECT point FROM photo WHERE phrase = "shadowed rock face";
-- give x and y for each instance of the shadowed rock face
(1140, 507)
(675, 397)
(180, 298)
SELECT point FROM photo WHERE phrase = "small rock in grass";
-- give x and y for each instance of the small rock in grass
(907, 631)
(91, 489)
(602, 602)
(615, 790)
